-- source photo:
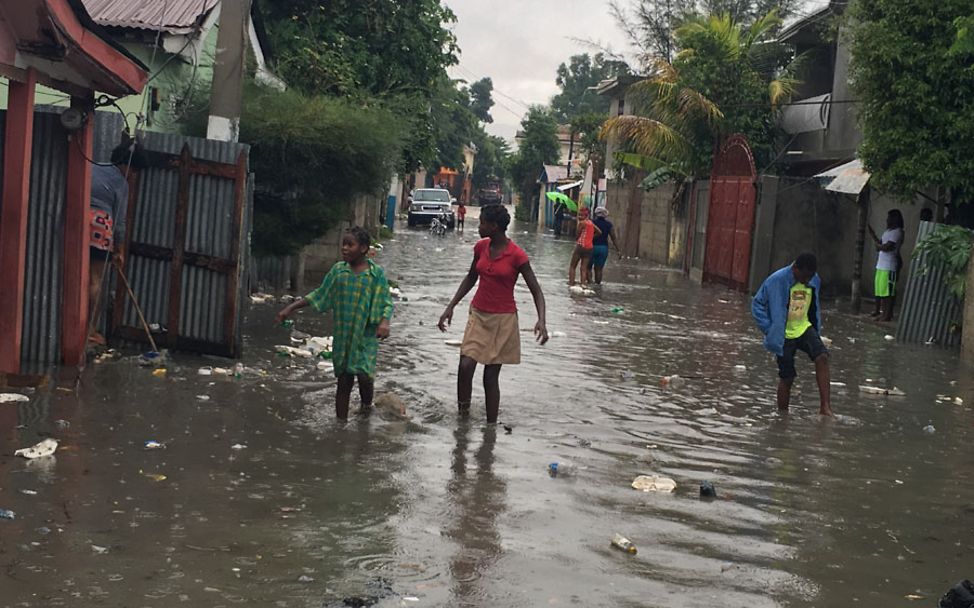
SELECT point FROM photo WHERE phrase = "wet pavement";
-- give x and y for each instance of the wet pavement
(267, 501)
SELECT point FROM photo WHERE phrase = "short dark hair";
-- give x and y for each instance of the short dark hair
(807, 261)
(926, 214)
(897, 217)
(496, 214)
(130, 154)
(361, 235)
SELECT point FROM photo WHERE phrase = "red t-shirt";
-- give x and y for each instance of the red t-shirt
(586, 233)
(462, 211)
(495, 293)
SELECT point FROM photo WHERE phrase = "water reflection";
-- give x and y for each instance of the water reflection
(477, 497)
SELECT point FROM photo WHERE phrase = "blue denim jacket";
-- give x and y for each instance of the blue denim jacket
(770, 307)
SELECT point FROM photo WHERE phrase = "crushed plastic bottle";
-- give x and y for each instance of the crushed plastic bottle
(623, 544)
(238, 371)
(929, 429)
(7, 514)
(617, 310)
(562, 469)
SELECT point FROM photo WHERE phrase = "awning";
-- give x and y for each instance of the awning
(849, 178)
(570, 186)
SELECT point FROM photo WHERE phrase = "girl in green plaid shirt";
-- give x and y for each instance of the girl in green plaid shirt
(357, 293)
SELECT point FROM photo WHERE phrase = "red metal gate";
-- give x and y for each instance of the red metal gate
(730, 222)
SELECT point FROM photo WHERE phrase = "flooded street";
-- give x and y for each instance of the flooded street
(260, 498)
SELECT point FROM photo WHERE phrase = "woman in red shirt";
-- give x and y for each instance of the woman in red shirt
(583, 246)
(492, 337)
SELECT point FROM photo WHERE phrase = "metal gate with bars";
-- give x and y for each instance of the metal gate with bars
(730, 222)
(186, 243)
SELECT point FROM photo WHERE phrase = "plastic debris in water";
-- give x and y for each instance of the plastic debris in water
(154, 476)
(562, 469)
(627, 375)
(878, 390)
(623, 544)
(673, 381)
(206, 370)
(13, 398)
(44, 448)
(557, 334)
(453, 342)
(287, 323)
(653, 483)
(929, 429)
(99, 550)
(27, 492)
(159, 372)
(7, 514)
(740, 368)
(154, 445)
(304, 578)
(238, 446)
(617, 310)
(889, 338)
(707, 490)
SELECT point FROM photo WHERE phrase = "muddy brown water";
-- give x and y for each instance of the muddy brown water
(864, 510)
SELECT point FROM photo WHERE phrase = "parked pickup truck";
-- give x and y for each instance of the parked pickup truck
(427, 203)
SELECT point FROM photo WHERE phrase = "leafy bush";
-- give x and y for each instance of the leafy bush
(312, 156)
(950, 247)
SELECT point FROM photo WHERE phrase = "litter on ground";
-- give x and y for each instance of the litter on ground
(653, 483)
(878, 390)
(44, 448)
(13, 398)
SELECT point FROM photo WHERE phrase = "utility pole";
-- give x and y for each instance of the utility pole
(228, 70)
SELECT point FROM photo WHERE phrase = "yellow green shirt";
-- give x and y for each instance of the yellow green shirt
(799, 301)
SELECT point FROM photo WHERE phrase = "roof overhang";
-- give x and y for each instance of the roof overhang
(66, 49)
(849, 178)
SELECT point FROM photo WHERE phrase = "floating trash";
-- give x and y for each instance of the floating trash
(7, 514)
(740, 368)
(238, 446)
(154, 445)
(653, 483)
(878, 390)
(206, 370)
(13, 398)
(673, 381)
(889, 338)
(154, 476)
(557, 334)
(627, 375)
(707, 490)
(40, 450)
(617, 310)
(159, 372)
(623, 544)
(453, 342)
(929, 429)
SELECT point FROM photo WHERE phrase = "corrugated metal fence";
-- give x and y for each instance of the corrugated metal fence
(188, 240)
(929, 311)
(41, 340)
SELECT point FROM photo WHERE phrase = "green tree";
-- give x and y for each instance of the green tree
(491, 163)
(538, 146)
(575, 80)
(916, 98)
(650, 25)
(481, 100)
(726, 78)
(396, 52)
(311, 155)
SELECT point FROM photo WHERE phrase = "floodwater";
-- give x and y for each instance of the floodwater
(867, 509)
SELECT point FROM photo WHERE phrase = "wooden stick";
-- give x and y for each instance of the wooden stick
(135, 302)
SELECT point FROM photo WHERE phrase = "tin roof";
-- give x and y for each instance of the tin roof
(169, 16)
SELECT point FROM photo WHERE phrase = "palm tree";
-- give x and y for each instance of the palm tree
(724, 78)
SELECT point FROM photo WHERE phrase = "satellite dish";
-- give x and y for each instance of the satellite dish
(73, 119)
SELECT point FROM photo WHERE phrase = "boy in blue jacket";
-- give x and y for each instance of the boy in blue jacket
(786, 309)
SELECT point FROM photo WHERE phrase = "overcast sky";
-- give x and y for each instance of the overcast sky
(520, 43)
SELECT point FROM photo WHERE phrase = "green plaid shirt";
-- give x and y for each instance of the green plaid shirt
(359, 302)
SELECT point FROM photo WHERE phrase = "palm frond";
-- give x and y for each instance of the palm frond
(762, 29)
(782, 90)
(692, 101)
(647, 136)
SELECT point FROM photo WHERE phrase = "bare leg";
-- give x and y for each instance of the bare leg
(598, 275)
(584, 270)
(366, 390)
(887, 310)
(824, 386)
(784, 393)
(571, 270)
(342, 395)
(95, 278)
(877, 307)
(492, 390)
(465, 383)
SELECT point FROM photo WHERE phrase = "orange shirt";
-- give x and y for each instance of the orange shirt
(586, 232)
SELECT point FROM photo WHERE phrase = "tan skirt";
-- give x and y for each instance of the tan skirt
(492, 338)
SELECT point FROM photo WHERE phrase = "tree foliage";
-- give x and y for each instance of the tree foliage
(650, 25)
(481, 100)
(575, 80)
(949, 247)
(396, 52)
(492, 155)
(311, 155)
(538, 146)
(726, 78)
(916, 97)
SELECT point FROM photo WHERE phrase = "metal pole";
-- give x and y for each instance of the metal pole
(863, 201)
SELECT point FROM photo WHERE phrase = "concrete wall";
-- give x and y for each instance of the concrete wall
(647, 224)
(795, 215)
(316, 259)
